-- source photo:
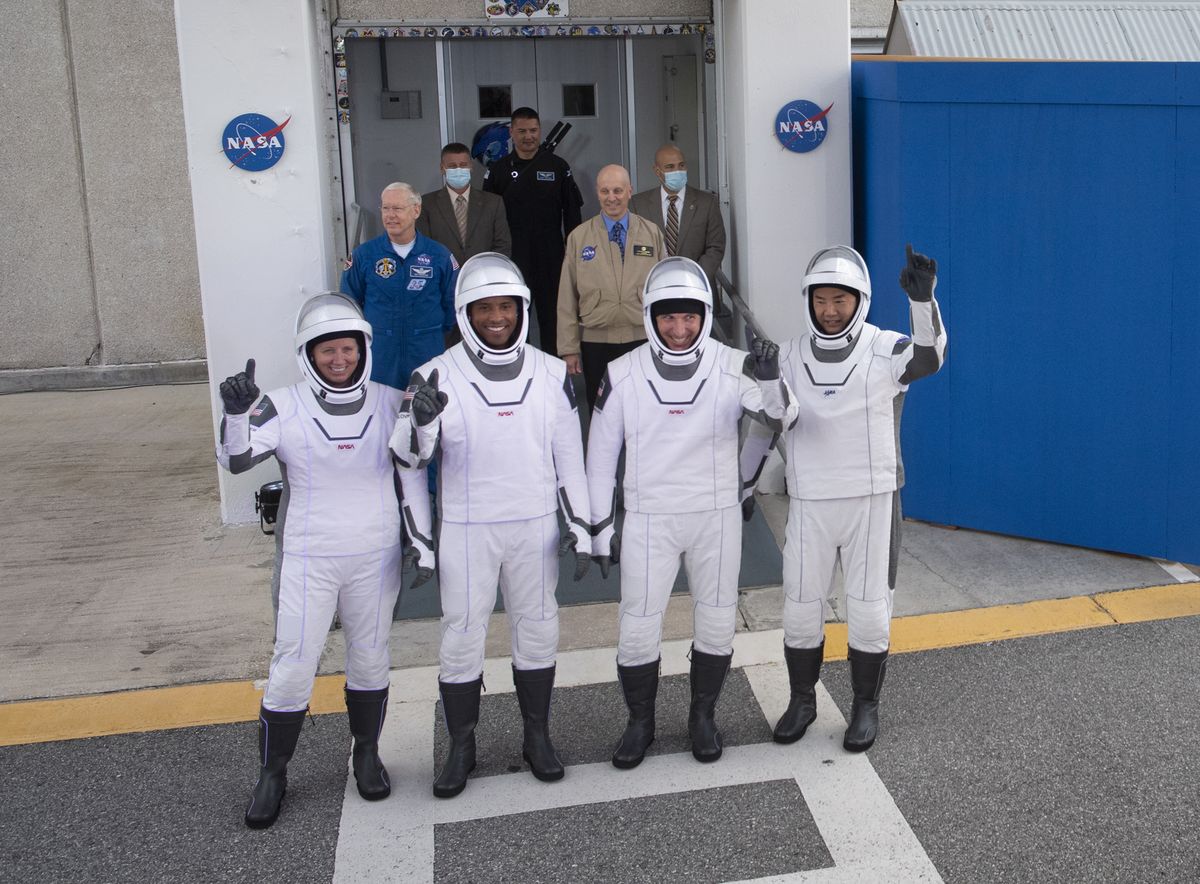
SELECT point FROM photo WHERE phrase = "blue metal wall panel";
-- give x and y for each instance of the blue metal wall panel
(1061, 212)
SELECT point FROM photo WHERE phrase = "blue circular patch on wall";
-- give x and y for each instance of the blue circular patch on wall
(801, 126)
(253, 142)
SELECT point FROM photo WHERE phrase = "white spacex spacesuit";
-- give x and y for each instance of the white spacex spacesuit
(676, 414)
(510, 458)
(844, 472)
(339, 521)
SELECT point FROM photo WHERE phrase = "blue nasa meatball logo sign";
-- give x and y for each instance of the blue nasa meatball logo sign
(253, 142)
(801, 126)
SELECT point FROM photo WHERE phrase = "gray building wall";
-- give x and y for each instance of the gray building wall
(99, 256)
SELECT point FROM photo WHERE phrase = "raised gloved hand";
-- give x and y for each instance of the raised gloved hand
(239, 391)
(418, 556)
(764, 356)
(569, 543)
(428, 402)
(919, 275)
(613, 557)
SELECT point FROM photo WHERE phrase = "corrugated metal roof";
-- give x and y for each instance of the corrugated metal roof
(1053, 29)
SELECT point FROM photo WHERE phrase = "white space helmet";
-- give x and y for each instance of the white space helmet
(491, 275)
(677, 285)
(843, 267)
(333, 315)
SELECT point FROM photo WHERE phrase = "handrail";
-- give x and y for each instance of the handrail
(740, 307)
(359, 215)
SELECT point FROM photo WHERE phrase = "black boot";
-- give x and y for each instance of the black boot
(366, 712)
(533, 693)
(708, 676)
(460, 704)
(277, 735)
(866, 677)
(804, 668)
(640, 686)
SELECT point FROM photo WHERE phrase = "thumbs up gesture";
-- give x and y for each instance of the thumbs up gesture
(428, 402)
(239, 391)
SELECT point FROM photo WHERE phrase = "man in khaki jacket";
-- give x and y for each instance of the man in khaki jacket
(600, 291)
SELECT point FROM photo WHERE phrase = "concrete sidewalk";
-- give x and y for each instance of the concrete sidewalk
(116, 572)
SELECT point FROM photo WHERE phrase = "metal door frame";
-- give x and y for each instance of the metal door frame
(346, 221)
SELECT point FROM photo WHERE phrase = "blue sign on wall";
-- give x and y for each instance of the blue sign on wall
(801, 126)
(253, 142)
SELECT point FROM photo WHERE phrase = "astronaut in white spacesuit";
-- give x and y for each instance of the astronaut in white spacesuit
(501, 418)
(844, 473)
(340, 541)
(674, 406)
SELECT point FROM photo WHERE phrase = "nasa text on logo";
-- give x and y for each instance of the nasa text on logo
(801, 126)
(253, 142)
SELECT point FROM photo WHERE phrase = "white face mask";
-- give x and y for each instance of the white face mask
(458, 178)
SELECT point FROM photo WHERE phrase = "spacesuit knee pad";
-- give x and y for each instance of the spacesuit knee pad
(803, 622)
(461, 654)
(869, 623)
(534, 642)
(713, 627)
(640, 639)
(367, 667)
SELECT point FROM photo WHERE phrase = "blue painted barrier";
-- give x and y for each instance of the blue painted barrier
(1062, 201)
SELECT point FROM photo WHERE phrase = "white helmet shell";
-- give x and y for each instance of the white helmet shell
(672, 279)
(331, 313)
(491, 275)
(838, 266)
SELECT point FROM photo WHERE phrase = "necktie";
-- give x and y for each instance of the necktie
(460, 215)
(672, 224)
(618, 236)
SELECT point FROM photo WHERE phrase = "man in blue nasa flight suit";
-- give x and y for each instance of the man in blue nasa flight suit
(404, 283)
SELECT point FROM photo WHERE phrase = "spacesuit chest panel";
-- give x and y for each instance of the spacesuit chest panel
(496, 443)
(843, 443)
(342, 499)
(675, 436)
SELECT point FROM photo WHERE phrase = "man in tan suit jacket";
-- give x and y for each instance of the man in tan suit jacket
(600, 291)
(701, 227)
(486, 221)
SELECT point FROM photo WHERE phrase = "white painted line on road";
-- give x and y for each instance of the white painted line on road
(393, 840)
(1176, 570)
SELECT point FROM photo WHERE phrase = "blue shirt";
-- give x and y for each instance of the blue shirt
(609, 223)
(409, 303)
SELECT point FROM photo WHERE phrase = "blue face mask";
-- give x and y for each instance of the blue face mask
(458, 177)
(675, 181)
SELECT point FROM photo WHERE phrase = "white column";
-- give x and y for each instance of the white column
(263, 239)
(784, 205)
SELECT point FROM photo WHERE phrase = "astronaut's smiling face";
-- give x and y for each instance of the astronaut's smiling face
(494, 320)
(336, 360)
(678, 330)
(832, 308)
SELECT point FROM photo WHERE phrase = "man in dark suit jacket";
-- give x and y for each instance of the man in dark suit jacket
(701, 235)
(485, 228)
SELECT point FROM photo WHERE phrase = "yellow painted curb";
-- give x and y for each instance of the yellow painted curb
(152, 709)
(1152, 603)
(43, 721)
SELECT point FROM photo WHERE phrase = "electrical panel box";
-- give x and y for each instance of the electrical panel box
(405, 105)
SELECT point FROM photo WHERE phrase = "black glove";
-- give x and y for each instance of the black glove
(748, 508)
(613, 557)
(411, 558)
(427, 402)
(239, 392)
(570, 543)
(918, 276)
(764, 356)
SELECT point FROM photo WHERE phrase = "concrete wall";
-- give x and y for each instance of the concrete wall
(99, 255)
